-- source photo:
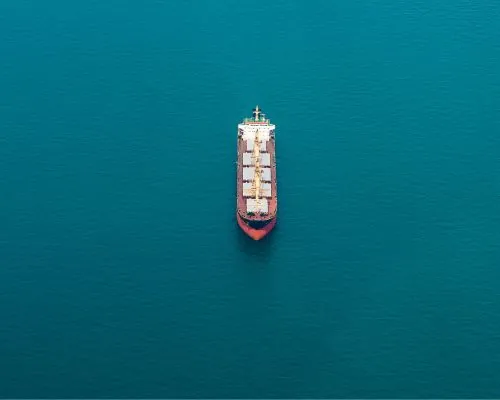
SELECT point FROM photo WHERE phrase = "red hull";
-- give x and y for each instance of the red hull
(255, 234)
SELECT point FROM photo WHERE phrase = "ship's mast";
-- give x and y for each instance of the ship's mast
(256, 113)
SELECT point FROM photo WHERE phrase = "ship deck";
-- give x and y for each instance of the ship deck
(269, 181)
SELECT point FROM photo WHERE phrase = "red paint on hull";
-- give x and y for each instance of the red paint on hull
(255, 234)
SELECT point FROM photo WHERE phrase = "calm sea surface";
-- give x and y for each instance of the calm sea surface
(122, 270)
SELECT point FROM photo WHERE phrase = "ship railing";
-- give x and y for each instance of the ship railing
(247, 120)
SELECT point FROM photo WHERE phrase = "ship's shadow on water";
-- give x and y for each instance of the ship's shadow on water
(257, 250)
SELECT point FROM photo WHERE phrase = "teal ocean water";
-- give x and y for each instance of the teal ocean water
(122, 270)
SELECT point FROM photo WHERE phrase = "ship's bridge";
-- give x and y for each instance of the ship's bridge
(249, 131)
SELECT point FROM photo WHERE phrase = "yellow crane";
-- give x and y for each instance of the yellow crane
(257, 171)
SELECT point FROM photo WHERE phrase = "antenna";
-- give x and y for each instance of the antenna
(256, 113)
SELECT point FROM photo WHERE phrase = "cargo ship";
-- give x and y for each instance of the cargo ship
(257, 200)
